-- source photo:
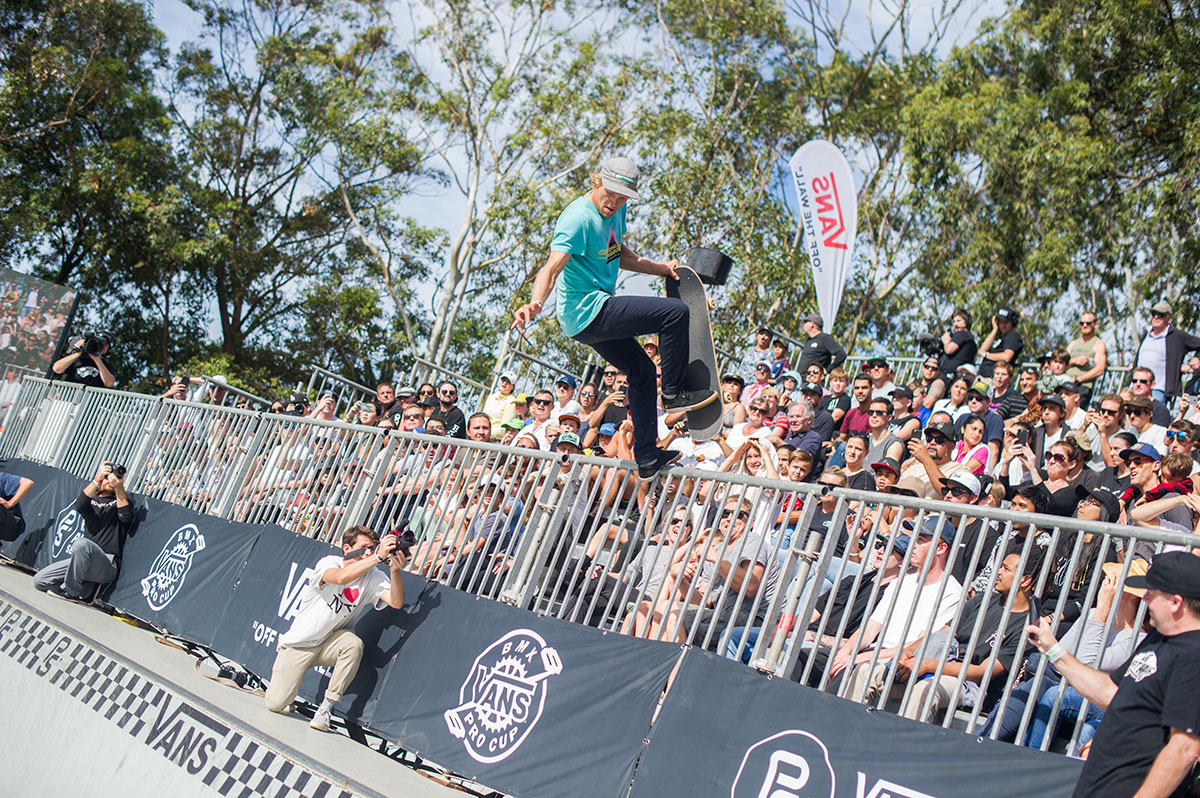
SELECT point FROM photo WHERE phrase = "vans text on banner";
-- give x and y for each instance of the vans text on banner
(828, 216)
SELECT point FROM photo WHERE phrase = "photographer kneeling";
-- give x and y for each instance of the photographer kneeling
(341, 589)
(96, 555)
(85, 362)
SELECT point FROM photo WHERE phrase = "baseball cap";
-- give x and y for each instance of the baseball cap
(762, 364)
(569, 438)
(1053, 399)
(964, 478)
(1136, 568)
(507, 375)
(406, 390)
(890, 463)
(812, 387)
(899, 545)
(876, 361)
(329, 393)
(1005, 312)
(1108, 500)
(947, 431)
(795, 375)
(980, 387)
(935, 527)
(571, 416)
(1175, 572)
(909, 484)
(815, 318)
(970, 369)
(1068, 385)
(620, 176)
(567, 380)
(494, 481)
(513, 423)
(731, 377)
(1161, 307)
(1142, 448)
(1140, 402)
(607, 429)
(522, 398)
(903, 390)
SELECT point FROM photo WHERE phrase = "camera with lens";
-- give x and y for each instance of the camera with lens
(929, 344)
(405, 539)
(118, 470)
(94, 343)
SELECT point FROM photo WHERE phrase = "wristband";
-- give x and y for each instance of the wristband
(381, 559)
(1056, 652)
(99, 480)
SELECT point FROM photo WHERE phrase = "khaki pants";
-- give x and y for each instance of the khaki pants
(868, 683)
(342, 650)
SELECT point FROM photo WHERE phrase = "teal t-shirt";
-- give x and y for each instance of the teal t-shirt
(590, 277)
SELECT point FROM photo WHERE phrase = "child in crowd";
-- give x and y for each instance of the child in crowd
(779, 361)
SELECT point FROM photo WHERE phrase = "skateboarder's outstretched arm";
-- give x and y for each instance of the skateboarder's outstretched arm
(543, 284)
(633, 262)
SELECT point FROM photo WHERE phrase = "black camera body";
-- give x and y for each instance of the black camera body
(94, 343)
(405, 539)
(929, 344)
(119, 470)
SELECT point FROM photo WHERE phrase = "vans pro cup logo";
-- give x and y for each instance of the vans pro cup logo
(68, 526)
(171, 566)
(790, 764)
(502, 698)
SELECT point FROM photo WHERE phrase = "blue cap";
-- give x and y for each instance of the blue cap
(567, 380)
(900, 544)
(608, 429)
(934, 527)
(1144, 449)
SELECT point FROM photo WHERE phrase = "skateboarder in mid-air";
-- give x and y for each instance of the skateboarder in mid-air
(586, 252)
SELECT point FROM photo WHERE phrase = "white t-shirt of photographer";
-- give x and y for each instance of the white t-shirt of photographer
(325, 608)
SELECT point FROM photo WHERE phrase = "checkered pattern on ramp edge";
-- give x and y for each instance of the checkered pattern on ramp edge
(240, 766)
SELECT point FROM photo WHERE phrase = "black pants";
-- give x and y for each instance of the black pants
(612, 333)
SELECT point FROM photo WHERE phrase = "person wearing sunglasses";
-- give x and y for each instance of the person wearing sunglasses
(1162, 352)
(448, 411)
(931, 461)
(1140, 414)
(1181, 439)
(1141, 382)
(1088, 355)
(588, 251)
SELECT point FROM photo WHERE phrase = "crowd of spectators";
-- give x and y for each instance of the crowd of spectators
(897, 600)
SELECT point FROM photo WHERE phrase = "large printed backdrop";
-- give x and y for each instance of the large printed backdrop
(530, 705)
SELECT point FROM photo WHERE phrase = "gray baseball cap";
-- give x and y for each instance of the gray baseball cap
(620, 176)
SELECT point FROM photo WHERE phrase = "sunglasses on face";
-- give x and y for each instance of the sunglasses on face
(542, 402)
(729, 513)
(957, 491)
(1084, 323)
(1055, 457)
(610, 374)
(1140, 381)
(414, 417)
(877, 412)
(759, 410)
(936, 439)
(1136, 462)
(425, 393)
(587, 393)
(929, 366)
(1175, 435)
(1110, 411)
(1137, 411)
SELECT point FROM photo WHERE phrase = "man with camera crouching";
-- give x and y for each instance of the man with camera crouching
(340, 591)
(96, 555)
(85, 362)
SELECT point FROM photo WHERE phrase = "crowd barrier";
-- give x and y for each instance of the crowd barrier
(348, 391)
(524, 703)
(577, 539)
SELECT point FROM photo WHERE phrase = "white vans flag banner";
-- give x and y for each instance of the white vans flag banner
(829, 218)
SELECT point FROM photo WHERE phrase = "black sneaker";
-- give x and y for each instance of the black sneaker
(648, 471)
(687, 400)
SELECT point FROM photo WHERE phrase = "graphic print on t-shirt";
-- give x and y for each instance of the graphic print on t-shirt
(1143, 665)
(344, 601)
(613, 250)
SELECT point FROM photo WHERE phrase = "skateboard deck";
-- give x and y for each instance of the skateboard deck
(704, 422)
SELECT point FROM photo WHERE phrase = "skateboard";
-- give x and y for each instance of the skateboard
(704, 422)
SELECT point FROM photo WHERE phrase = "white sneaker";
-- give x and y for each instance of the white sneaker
(321, 720)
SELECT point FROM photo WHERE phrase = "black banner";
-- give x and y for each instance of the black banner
(727, 730)
(528, 705)
(266, 598)
(51, 523)
(179, 571)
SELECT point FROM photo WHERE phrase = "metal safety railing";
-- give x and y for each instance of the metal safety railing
(829, 586)
(348, 391)
(471, 393)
